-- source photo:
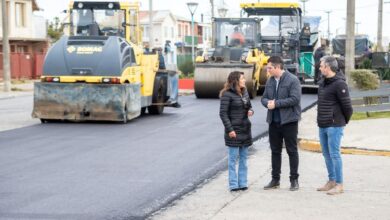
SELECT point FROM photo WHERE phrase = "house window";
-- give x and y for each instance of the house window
(179, 30)
(172, 32)
(21, 49)
(20, 16)
(166, 32)
(146, 32)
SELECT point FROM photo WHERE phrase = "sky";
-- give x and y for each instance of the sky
(366, 12)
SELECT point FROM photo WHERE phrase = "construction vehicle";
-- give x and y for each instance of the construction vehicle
(99, 71)
(288, 34)
(233, 49)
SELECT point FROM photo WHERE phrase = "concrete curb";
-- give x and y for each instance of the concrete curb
(314, 146)
(14, 95)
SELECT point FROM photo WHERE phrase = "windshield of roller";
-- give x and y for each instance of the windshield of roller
(240, 34)
(97, 22)
(283, 25)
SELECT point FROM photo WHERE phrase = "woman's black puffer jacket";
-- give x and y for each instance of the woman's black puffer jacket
(234, 115)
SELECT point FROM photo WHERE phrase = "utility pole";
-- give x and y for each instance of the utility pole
(304, 8)
(212, 8)
(350, 42)
(6, 60)
(379, 35)
(328, 12)
(151, 38)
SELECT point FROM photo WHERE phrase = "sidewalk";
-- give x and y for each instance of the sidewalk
(370, 134)
(28, 87)
(367, 188)
(17, 89)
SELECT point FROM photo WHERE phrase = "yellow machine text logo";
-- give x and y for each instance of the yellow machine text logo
(71, 49)
(84, 50)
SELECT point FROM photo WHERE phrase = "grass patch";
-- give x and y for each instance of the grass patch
(16, 89)
(18, 81)
(370, 115)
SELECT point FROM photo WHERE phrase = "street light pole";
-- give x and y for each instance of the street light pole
(212, 8)
(379, 34)
(350, 41)
(192, 7)
(6, 61)
(328, 12)
(151, 37)
(222, 12)
(304, 8)
(357, 27)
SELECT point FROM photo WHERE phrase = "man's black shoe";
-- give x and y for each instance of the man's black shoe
(244, 188)
(234, 190)
(294, 185)
(176, 105)
(274, 184)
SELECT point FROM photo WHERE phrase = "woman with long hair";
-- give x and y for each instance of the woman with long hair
(235, 110)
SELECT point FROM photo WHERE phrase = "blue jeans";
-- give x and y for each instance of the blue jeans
(330, 139)
(174, 83)
(240, 180)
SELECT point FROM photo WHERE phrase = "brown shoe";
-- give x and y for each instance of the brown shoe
(328, 186)
(338, 189)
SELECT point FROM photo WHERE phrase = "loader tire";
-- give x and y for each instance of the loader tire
(125, 117)
(143, 110)
(158, 98)
(253, 91)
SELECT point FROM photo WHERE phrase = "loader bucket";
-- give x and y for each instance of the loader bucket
(211, 77)
(81, 101)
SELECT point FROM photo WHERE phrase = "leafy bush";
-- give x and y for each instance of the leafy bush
(384, 73)
(187, 67)
(188, 76)
(365, 64)
(365, 79)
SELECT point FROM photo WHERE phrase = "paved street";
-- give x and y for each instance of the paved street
(110, 171)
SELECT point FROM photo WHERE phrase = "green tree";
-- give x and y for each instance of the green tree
(55, 29)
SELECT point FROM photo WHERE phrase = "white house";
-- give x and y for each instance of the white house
(27, 31)
(164, 30)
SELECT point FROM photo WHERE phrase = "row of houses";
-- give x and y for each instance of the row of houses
(27, 38)
(29, 41)
(176, 30)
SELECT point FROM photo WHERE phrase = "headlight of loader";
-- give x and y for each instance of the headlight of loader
(243, 57)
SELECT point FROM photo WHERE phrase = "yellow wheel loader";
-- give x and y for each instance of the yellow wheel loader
(234, 48)
(99, 71)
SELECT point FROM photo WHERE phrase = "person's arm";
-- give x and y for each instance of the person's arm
(224, 112)
(344, 100)
(265, 97)
(294, 97)
(250, 110)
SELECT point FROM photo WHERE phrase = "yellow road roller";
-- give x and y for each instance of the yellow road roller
(234, 48)
(98, 70)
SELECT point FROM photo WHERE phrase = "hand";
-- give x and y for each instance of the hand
(232, 134)
(250, 113)
(271, 104)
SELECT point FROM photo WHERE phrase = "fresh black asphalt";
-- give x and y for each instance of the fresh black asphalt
(114, 171)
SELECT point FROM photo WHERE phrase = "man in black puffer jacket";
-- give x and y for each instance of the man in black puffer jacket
(334, 111)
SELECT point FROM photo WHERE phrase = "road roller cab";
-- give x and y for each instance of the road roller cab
(234, 48)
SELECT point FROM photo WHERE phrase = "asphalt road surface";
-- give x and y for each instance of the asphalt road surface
(112, 171)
